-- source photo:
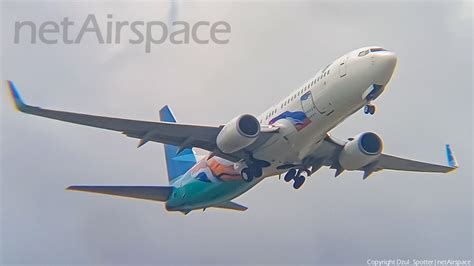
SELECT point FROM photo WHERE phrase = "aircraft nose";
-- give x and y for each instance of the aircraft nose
(385, 62)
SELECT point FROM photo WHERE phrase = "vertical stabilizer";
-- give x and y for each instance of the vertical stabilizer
(176, 164)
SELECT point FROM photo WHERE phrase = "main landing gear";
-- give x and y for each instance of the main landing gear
(249, 173)
(369, 109)
(254, 168)
(296, 176)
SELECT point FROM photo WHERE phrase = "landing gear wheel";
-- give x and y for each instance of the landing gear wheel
(298, 182)
(372, 109)
(247, 175)
(369, 109)
(257, 172)
(290, 175)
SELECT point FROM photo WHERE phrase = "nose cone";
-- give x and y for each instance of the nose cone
(385, 62)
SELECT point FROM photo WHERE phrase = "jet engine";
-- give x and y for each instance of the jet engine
(362, 150)
(239, 133)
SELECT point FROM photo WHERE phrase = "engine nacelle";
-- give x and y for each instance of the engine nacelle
(364, 149)
(239, 133)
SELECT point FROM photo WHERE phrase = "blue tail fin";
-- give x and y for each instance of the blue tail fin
(177, 164)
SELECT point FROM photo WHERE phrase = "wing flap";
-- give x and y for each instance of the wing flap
(155, 193)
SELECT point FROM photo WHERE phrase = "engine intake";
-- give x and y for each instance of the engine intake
(239, 133)
(364, 149)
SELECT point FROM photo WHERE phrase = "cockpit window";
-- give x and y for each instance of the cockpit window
(377, 49)
(363, 53)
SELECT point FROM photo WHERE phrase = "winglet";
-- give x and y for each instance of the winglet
(451, 158)
(18, 102)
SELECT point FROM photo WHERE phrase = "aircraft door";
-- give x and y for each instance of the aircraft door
(307, 104)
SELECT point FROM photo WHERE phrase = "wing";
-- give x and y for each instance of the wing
(332, 147)
(400, 164)
(181, 135)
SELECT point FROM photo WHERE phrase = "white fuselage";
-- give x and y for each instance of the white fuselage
(310, 112)
(335, 92)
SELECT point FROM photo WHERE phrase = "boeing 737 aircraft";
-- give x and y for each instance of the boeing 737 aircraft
(290, 138)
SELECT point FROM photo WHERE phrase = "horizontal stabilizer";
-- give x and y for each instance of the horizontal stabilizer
(156, 193)
(231, 206)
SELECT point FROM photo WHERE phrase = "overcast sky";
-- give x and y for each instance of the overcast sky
(274, 47)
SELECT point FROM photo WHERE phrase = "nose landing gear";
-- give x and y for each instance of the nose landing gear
(369, 109)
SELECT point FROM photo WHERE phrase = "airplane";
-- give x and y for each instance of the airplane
(290, 138)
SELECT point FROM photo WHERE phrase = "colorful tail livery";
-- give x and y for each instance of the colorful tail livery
(178, 162)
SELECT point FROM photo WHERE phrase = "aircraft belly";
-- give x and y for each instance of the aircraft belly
(199, 195)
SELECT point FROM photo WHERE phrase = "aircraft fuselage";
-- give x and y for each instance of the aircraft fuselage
(304, 117)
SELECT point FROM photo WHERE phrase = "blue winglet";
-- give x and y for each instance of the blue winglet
(19, 104)
(451, 159)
